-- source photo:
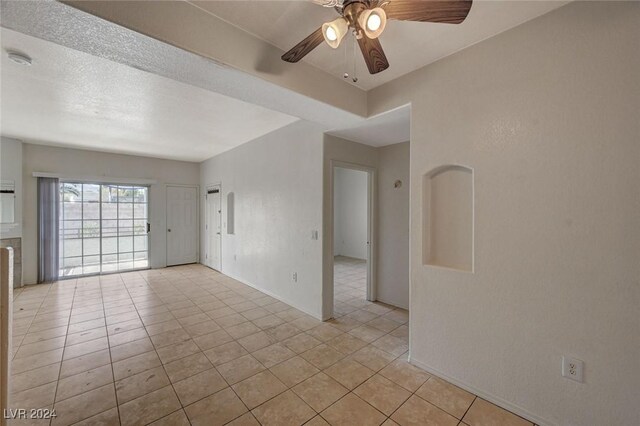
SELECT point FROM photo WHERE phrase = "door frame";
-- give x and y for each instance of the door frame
(207, 228)
(371, 229)
(166, 221)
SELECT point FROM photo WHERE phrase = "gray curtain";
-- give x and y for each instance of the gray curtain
(48, 205)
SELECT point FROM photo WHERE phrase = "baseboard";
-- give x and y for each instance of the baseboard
(484, 395)
(275, 296)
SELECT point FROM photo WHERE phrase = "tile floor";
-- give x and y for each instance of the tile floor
(187, 345)
(349, 284)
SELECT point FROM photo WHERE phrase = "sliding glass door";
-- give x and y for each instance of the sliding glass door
(103, 228)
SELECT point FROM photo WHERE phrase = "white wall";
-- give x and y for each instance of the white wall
(11, 169)
(80, 163)
(277, 185)
(547, 116)
(350, 194)
(393, 225)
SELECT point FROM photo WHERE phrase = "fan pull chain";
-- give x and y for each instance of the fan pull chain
(346, 62)
(355, 75)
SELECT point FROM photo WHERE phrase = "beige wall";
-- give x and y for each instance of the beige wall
(277, 185)
(393, 225)
(547, 115)
(80, 163)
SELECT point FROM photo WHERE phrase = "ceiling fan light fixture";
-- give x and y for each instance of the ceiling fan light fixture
(373, 21)
(335, 31)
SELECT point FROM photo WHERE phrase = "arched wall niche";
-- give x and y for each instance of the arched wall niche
(447, 217)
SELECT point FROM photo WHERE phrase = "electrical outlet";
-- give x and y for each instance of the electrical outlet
(572, 368)
(294, 277)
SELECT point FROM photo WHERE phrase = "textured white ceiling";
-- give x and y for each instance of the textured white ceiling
(75, 99)
(408, 45)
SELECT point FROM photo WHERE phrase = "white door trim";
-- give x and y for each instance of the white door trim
(371, 220)
(166, 216)
(212, 186)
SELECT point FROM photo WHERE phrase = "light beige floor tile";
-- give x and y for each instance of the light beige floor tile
(170, 338)
(346, 343)
(135, 364)
(282, 332)
(178, 418)
(324, 332)
(140, 384)
(201, 328)
(373, 358)
(217, 409)
(44, 335)
(84, 363)
(417, 411)
(33, 378)
(121, 327)
(39, 347)
(405, 374)
(35, 361)
(484, 413)
(317, 421)
(87, 325)
(127, 337)
(382, 394)
(322, 356)
(85, 405)
(367, 333)
(294, 370)
(352, 410)
(163, 327)
(84, 382)
(212, 340)
(285, 409)
(255, 313)
(39, 396)
(246, 419)
(320, 391)
(240, 369)
(274, 354)
(199, 386)
(349, 373)
(268, 322)
(177, 351)
(194, 319)
(150, 407)
(106, 418)
(446, 396)
(254, 342)
(85, 336)
(344, 323)
(80, 349)
(242, 330)
(188, 366)
(225, 353)
(259, 388)
(394, 345)
(383, 324)
(301, 342)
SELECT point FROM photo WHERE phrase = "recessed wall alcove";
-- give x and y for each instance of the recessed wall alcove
(447, 218)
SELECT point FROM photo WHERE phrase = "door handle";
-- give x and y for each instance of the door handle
(169, 230)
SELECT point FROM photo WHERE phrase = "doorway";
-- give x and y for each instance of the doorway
(103, 228)
(213, 257)
(182, 224)
(352, 237)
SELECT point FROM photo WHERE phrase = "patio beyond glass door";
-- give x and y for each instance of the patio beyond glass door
(103, 228)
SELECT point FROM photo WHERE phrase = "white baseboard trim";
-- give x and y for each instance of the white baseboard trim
(275, 296)
(484, 395)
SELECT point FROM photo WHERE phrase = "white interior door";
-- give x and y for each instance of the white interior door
(214, 227)
(182, 225)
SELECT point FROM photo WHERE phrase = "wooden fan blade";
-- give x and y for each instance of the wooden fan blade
(301, 49)
(373, 54)
(448, 12)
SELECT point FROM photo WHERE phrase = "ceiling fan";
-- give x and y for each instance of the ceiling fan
(367, 20)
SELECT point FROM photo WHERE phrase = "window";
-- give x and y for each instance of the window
(103, 228)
